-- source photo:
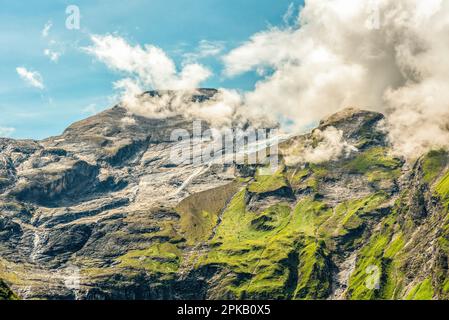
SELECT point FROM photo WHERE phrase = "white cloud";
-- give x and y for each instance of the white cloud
(128, 121)
(330, 146)
(90, 109)
(148, 67)
(33, 78)
(289, 14)
(6, 131)
(149, 64)
(46, 29)
(334, 59)
(263, 49)
(221, 110)
(205, 49)
(210, 48)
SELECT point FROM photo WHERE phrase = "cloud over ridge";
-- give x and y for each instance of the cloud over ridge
(383, 55)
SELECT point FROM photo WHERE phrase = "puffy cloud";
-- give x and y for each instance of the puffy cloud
(149, 65)
(31, 77)
(385, 55)
(128, 121)
(330, 146)
(263, 49)
(221, 110)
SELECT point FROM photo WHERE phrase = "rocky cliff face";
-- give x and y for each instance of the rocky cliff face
(101, 212)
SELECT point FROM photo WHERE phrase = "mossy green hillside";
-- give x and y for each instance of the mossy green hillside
(351, 216)
(281, 252)
(296, 176)
(199, 212)
(433, 163)
(442, 188)
(314, 271)
(268, 182)
(375, 159)
(158, 258)
(370, 267)
(378, 272)
(6, 293)
(307, 178)
(422, 291)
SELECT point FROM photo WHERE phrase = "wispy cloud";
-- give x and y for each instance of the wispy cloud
(289, 14)
(90, 109)
(205, 49)
(6, 131)
(149, 64)
(53, 50)
(52, 55)
(46, 29)
(33, 78)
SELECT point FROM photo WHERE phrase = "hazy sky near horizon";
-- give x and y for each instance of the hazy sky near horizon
(47, 80)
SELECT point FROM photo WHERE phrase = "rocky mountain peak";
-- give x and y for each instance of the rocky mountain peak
(351, 116)
(118, 122)
(358, 125)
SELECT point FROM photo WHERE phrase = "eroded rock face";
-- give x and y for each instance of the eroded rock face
(101, 212)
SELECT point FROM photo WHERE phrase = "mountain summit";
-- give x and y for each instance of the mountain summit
(101, 212)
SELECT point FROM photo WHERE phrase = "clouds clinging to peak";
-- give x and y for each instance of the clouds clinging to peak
(149, 67)
(385, 55)
(32, 78)
(330, 145)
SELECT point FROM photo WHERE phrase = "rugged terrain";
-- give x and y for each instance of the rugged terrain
(100, 212)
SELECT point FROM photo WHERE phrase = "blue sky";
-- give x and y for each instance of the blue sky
(77, 84)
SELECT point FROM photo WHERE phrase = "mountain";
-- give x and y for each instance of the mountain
(102, 212)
